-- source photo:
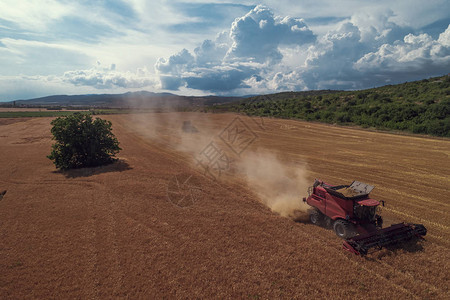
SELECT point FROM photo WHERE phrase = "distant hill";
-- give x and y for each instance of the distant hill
(128, 100)
(419, 107)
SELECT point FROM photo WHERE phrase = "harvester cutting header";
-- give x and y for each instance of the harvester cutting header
(354, 216)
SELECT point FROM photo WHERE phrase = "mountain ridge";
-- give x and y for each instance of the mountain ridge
(140, 99)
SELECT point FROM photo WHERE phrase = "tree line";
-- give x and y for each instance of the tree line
(418, 107)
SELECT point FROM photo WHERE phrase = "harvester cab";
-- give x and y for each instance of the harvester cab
(356, 217)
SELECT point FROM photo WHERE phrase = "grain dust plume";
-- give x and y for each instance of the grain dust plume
(279, 186)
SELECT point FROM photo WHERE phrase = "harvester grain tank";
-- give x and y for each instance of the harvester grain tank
(355, 217)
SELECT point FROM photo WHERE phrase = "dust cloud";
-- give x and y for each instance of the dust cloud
(278, 185)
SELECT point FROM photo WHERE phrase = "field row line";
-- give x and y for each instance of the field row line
(378, 275)
(441, 238)
(446, 228)
(414, 198)
(421, 199)
(383, 178)
(411, 204)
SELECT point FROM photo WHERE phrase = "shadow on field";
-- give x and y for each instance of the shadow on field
(116, 166)
(405, 247)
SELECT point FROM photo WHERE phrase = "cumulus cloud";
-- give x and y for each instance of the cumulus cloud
(263, 53)
(330, 63)
(177, 63)
(240, 55)
(105, 78)
(364, 52)
(220, 79)
(332, 58)
(339, 46)
(415, 54)
(444, 38)
(171, 83)
(258, 35)
(414, 51)
(211, 53)
(377, 27)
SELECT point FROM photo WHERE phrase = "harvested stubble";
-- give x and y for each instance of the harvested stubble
(112, 232)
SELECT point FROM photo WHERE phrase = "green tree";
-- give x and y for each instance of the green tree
(82, 142)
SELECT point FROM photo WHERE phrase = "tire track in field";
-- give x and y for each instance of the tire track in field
(156, 242)
(104, 275)
(91, 275)
(116, 272)
(412, 278)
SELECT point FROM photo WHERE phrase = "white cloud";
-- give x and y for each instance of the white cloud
(211, 53)
(36, 86)
(337, 45)
(33, 15)
(444, 38)
(107, 78)
(345, 58)
(415, 54)
(77, 82)
(252, 45)
(333, 57)
(176, 64)
(258, 35)
(265, 53)
(38, 58)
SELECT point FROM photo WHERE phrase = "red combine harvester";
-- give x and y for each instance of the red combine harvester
(354, 217)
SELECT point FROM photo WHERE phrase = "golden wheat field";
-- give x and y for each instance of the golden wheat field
(131, 230)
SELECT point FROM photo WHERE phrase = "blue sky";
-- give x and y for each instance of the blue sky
(214, 47)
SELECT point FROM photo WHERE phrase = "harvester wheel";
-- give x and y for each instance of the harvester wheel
(315, 216)
(344, 229)
(327, 222)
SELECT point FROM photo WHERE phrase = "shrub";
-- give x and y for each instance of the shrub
(82, 142)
